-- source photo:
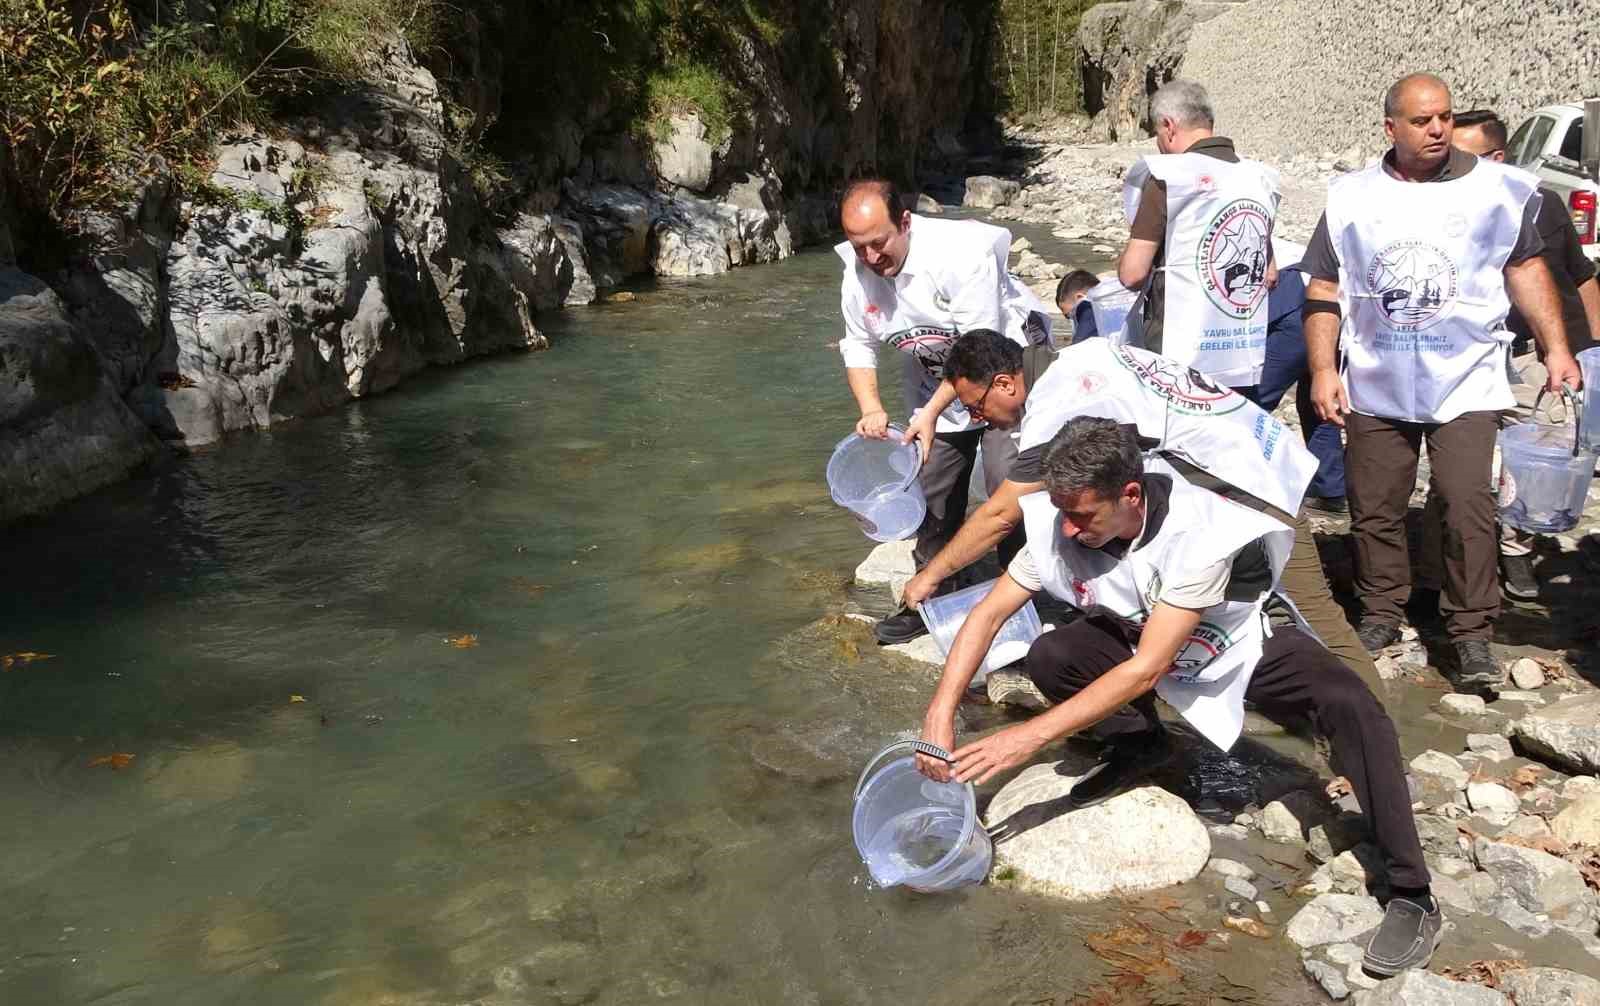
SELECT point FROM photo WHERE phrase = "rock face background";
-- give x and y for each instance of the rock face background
(351, 248)
(1127, 50)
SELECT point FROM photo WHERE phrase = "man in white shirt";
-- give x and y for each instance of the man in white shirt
(917, 283)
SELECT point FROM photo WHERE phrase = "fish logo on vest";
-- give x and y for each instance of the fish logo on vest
(926, 344)
(1232, 258)
(1204, 645)
(1184, 388)
(1414, 284)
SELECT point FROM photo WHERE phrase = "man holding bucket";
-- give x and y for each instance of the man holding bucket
(1433, 245)
(1178, 586)
(916, 283)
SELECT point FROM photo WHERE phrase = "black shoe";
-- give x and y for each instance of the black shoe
(1406, 938)
(1423, 606)
(1375, 635)
(1516, 577)
(1128, 760)
(1476, 668)
(1334, 505)
(901, 627)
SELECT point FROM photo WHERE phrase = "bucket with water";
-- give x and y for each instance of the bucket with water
(911, 830)
(876, 480)
(1589, 362)
(945, 615)
(1544, 474)
(1111, 301)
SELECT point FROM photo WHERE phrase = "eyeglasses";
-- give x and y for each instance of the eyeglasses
(976, 408)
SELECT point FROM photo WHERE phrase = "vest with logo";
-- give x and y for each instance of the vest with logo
(1218, 245)
(1209, 674)
(1187, 414)
(1424, 268)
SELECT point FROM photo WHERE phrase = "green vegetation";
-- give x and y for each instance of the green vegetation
(1037, 42)
(689, 87)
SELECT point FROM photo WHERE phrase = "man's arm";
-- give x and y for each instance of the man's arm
(1146, 233)
(989, 524)
(874, 421)
(926, 425)
(1164, 634)
(1589, 293)
(966, 655)
(1133, 266)
(1534, 293)
(1322, 352)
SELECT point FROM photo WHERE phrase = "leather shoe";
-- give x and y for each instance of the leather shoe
(1127, 760)
(901, 627)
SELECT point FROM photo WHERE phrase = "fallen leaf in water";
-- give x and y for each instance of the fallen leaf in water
(1250, 927)
(1527, 776)
(1132, 948)
(1190, 939)
(11, 660)
(466, 641)
(524, 585)
(1483, 972)
(297, 698)
(119, 761)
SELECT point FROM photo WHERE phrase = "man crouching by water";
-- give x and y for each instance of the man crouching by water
(1177, 585)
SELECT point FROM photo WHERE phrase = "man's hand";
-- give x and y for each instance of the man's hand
(1272, 275)
(874, 425)
(1328, 397)
(922, 430)
(938, 729)
(981, 760)
(920, 587)
(1564, 370)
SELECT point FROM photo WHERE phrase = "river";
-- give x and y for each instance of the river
(506, 687)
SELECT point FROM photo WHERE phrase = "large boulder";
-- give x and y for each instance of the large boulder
(545, 258)
(1126, 51)
(684, 154)
(1139, 841)
(987, 192)
(1565, 732)
(1539, 882)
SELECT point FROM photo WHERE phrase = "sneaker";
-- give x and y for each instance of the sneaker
(1516, 577)
(1405, 939)
(1476, 667)
(901, 627)
(1375, 635)
(1334, 505)
(1127, 761)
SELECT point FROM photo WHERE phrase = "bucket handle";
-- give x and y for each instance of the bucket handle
(921, 747)
(1573, 404)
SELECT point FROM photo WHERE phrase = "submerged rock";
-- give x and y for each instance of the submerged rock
(1566, 732)
(1139, 841)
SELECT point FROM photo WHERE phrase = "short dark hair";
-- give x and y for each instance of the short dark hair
(1074, 281)
(883, 188)
(1494, 127)
(1091, 453)
(981, 354)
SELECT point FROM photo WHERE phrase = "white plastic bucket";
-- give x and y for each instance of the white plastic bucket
(945, 615)
(1111, 301)
(911, 830)
(1544, 476)
(876, 480)
(1589, 361)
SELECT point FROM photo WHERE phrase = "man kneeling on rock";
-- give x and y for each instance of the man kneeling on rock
(1177, 585)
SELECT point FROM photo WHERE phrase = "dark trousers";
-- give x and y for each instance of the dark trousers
(1295, 675)
(945, 478)
(1382, 456)
(1287, 364)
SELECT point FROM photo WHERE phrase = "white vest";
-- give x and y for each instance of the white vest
(1209, 675)
(1424, 266)
(1219, 226)
(913, 311)
(1190, 416)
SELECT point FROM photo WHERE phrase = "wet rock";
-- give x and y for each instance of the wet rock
(1232, 832)
(1493, 802)
(1424, 988)
(1020, 245)
(1492, 747)
(1530, 698)
(1527, 675)
(1240, 887)
(1550, 987)
(565, 973)
(1566, 732)
(1139, 841)
(1463, 705)
(889, 564)
(923, 649)
(1579, 824)
(1013, 688)
(1439, 777)
(1539, 882)
(987, 191)
(1334, 918)
(1331, 978)
(1289, 820)
(1230, 868)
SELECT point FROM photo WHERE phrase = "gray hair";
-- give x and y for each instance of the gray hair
(1185, 102)
(1090, 453)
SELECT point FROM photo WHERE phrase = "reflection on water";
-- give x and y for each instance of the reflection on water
(634, 787)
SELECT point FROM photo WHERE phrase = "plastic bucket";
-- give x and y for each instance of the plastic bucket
(1589, 361)
(876, 480)
(911, 830)
(1544, 476)
(1111, 302)
(945, 615)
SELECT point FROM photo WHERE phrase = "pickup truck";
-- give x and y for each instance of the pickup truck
(1550, 144)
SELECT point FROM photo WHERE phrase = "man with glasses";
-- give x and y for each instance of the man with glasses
(916, 283)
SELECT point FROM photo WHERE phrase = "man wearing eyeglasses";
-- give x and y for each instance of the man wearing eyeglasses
(916, 283)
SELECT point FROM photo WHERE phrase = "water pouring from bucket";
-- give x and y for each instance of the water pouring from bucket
(911, 830)
(876, 480)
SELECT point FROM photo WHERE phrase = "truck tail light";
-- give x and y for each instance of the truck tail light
(1582, 205)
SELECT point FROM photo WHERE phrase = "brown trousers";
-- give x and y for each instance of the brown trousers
(1381, 458)
(1305, 583)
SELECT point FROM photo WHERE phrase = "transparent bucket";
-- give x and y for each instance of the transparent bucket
(945, 615)
(1544, 477)
(876, 480)
(1111, 302)
(911, 830)
(1589, 362)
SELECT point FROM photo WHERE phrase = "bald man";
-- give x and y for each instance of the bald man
(917, 283)
(1435, 245)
